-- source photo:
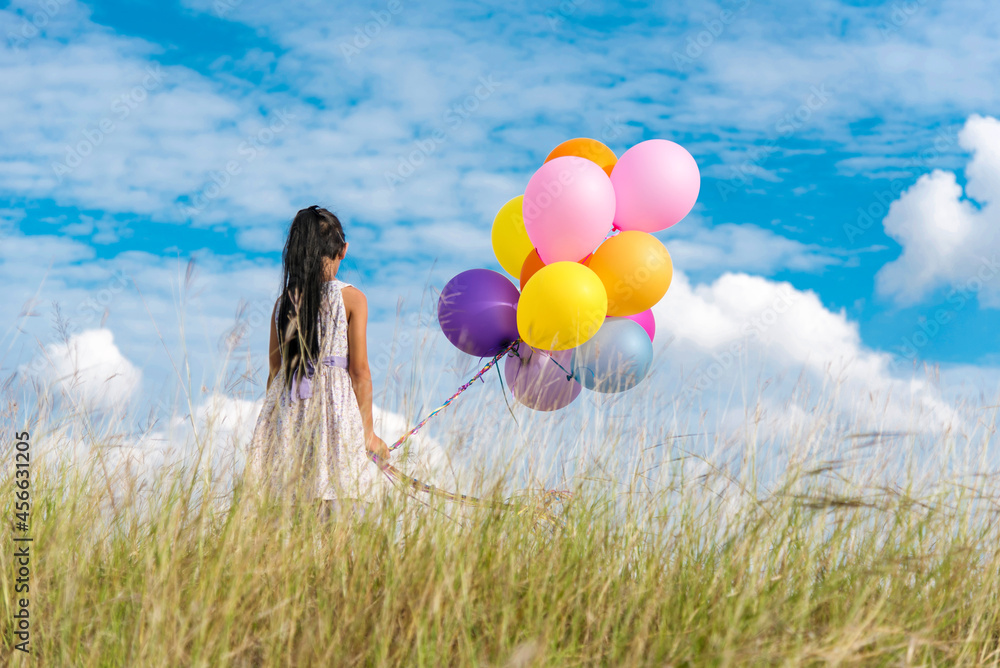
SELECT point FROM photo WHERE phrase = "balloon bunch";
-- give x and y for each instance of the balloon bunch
(579, 243)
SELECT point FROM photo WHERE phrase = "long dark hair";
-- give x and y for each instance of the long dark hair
(314, 234)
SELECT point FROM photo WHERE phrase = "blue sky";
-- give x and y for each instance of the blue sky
(802, 117)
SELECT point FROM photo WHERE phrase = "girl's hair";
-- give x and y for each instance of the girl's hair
(315, 233)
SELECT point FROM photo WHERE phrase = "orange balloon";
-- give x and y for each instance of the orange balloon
(533, 263)
(591, 149)
(636, 271)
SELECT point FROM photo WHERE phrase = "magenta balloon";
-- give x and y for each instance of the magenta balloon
(538, 382)
(656, 184)
(646, 320)
(569, 205)
(477, 311)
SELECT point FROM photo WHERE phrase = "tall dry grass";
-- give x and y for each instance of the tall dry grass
(832, 543)
(817, 570)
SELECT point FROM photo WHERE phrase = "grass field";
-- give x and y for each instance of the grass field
(819, 569)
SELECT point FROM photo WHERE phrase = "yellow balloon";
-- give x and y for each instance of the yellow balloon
(562, 306)
(635, 269)
(511, 244)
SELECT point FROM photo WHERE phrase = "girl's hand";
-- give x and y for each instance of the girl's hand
(377, 445)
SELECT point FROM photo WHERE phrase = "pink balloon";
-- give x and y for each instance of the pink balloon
(646, 320)
(569, 206)
(656, 184)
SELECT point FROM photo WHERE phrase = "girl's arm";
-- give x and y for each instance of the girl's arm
(274, 351)
(357, 366)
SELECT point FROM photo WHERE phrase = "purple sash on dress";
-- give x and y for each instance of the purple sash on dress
(302, 387)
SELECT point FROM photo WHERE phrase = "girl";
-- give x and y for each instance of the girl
(316, 422)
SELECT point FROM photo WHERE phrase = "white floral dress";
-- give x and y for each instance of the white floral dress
(316, 440)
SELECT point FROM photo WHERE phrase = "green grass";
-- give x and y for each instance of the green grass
(814, 572)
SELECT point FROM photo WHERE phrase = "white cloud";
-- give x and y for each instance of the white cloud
(748, 248)
(376, 110)
(799, 368)
(228, 417)
(354, 122)
(384, 107)
(224, 426)
(90, 370)
(214, 321)
(767, 341)
(950, 238)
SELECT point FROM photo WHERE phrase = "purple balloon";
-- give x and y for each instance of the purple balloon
(477, 311)
(537, 381)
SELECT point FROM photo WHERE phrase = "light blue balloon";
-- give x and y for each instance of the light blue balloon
(616, 359)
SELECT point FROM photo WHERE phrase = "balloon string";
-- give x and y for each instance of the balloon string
(396, 476)
(503, 391)
(569, 374)
(479, 374)
(539, 513)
